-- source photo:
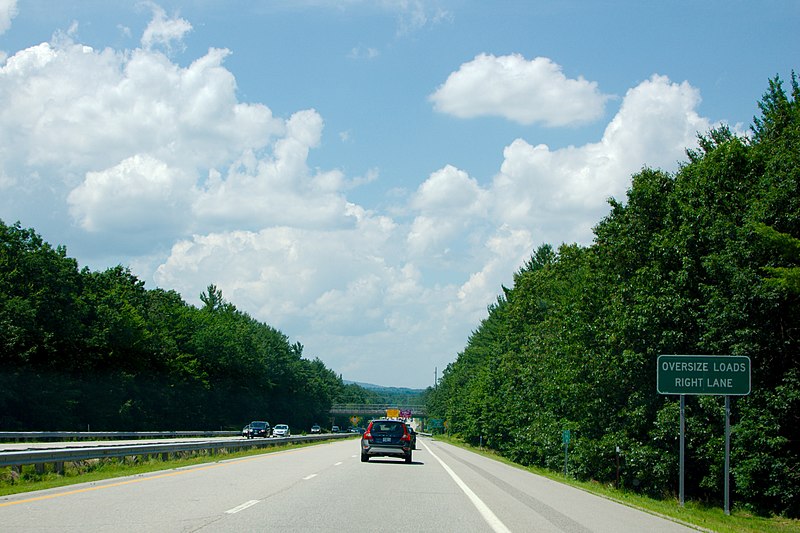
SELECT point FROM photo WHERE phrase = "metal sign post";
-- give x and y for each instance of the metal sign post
(681, 454)
(719, 375)
(727, 453)
(565, 436)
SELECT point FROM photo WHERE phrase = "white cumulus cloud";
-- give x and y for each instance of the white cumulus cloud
(163, 30)
(561, 194)
(448, 204)
(140, 193)
(543, 195)
(92, 122)
(527, 92)
(8, 10)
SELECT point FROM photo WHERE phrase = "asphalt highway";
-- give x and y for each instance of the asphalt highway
(327, 488)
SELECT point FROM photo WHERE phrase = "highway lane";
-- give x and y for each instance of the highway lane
(326, 488)
(526, 502)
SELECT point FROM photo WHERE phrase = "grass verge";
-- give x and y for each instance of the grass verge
(693, 514)
(29, 479)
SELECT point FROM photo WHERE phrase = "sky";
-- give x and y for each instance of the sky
(363, 175)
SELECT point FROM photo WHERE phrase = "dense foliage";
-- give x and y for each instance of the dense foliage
(82, 349)
(705, 261)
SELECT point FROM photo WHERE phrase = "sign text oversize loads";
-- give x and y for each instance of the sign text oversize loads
(703, 374)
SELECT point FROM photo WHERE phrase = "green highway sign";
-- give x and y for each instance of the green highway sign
(725, 375)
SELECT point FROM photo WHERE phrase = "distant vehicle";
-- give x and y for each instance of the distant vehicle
(315, 428)
(356, 430)
(413, 436)
(246, 431)
(258, 428)
(335, 429)
(386, 438)
(281, 430)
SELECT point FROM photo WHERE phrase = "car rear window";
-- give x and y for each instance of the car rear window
(390, 428)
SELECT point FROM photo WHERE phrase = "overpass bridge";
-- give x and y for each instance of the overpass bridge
(375, 410)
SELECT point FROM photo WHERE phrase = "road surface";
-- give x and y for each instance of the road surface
(327, 488)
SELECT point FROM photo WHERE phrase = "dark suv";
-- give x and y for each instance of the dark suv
(259, 428)
(386, 438)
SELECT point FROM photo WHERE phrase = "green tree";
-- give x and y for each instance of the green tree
(97, 349)
(41, 329)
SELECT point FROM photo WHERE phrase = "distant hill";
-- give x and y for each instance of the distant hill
(381, 389)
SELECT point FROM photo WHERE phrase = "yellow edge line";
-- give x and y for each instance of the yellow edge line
(141, 479)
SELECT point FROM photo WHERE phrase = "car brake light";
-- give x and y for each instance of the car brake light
(367, 435)
(405, 436)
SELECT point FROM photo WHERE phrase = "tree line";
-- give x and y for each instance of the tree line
(81, 350)
(703, 261)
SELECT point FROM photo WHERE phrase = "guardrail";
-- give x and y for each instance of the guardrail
(83, 435)
(59, 456)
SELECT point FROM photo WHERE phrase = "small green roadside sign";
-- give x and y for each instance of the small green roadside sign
(725, 375)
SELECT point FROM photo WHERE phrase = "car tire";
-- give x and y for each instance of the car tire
(364, 458)
(408, 459)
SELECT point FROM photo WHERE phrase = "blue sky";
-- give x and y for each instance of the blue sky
(362, 175)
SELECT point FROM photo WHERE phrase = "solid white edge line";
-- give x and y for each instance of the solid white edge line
(242, 507)
(495, 523)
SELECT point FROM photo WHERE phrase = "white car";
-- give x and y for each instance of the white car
(281, 430)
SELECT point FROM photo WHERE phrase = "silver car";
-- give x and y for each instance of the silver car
(281, 430)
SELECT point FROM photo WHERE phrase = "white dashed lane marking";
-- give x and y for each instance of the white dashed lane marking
(242, 507)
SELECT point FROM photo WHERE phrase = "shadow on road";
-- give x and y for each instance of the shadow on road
(394, 462)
